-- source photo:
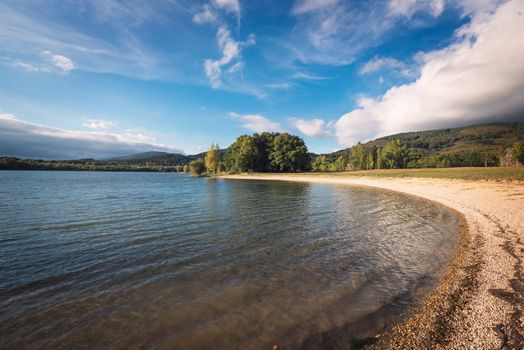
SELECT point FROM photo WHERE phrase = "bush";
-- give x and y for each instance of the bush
(198, 167)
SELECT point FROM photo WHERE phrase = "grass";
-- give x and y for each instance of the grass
(491, 174)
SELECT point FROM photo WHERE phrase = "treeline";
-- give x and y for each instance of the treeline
(397, 155)
(13, 163)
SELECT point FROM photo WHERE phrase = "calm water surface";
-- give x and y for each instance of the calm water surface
(164, 261)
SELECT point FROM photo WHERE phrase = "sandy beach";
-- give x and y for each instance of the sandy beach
(479, 302)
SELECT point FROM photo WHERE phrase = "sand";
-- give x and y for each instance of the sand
(479, 302)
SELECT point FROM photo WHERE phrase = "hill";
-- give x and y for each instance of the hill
(428, 148)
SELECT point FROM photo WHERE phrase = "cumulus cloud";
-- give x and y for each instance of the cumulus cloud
(98, 124)
(478, 78)
(255, 122)
(312, 128)
(28, 140)
(379, 63)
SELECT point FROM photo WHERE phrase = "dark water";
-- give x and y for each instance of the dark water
(164, 261)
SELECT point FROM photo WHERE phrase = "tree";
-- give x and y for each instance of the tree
(264, 144)
(358, 157)
(241, 156)
(198, 167)
(518, 153)
(212, 159)
(289, 154)
(186, 168)
(395, 155)
(340, 163)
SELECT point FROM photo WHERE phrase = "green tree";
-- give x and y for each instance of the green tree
(186, 168)
(197, 166)
(340, 163)
(242, 155)
(518, 152)
(395, 155)
(264, 144)
(358, 157)
(212, 159)
(289, 154)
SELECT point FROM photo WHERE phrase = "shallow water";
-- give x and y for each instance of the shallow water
(165, 261)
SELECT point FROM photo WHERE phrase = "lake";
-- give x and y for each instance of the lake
(165, 261)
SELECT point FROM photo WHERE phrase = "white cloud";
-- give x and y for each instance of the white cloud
(205, 16)
(379, 63)
(62, 62)
(255, 122)
(406, 8)
(305, 6)
(307, 76)
(213, 72)
(479, 78)
(313, 128)
(97, 124)
(232, 6)
(231, 52)
(28, 67)
(279, 86)
(437, 7)
(236, 67)
(25, 139)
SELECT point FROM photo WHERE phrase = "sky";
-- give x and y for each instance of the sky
(102, 78)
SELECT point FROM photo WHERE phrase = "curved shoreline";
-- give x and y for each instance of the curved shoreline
(478, 304)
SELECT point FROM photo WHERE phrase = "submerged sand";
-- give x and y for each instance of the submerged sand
(479, 302)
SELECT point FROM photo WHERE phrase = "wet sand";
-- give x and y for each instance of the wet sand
(480, 300)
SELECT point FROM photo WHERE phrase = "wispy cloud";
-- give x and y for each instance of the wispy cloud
(475, 79)
(98, 124)
(255, 122)
(24, 139)
(313, 128)
(308, 76)
(232, 6)
(206, 15)
(379, 63)
(231, 50)
(305, 6)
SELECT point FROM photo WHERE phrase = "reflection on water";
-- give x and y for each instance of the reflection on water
(164, 261)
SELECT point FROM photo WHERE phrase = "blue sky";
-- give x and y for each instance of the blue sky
(125, 76)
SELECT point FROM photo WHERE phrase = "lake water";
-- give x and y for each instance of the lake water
(92, 260)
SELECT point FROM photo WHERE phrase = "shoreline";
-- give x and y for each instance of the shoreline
(479, 302)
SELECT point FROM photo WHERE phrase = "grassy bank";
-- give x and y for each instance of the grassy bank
(490, 174)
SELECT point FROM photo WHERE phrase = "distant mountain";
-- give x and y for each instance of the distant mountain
(157, 158)
(140, 156)
(492, 137)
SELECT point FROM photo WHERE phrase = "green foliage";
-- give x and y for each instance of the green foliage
(289, 154)
(267, 152)
(242, 155)
(395, 155)
(518, 152)
(186, 168)
(197, 166)
(212, 159)
(358, 157)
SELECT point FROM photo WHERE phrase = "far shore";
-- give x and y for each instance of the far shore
(479, 302)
